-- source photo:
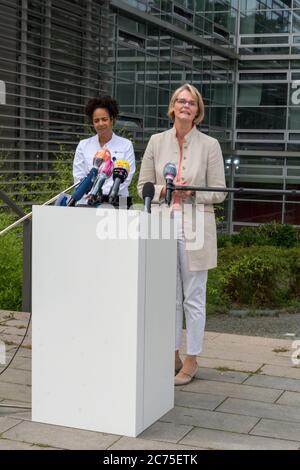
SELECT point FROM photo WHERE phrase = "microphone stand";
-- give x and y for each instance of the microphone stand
(291, 192)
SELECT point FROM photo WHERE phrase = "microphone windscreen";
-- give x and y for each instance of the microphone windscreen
(170, 171)
(122, 164)
(107, 168)
(148, 190)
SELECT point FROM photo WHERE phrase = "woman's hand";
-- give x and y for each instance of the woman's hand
(183, 194)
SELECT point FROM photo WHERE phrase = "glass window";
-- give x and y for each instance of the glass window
(265, 40)
(257, 211)
(261, 4)
(262, 94)
(294, 118)
(296, 21)
(262, 76)
(261, 118)
(265, 22)
(267, 64)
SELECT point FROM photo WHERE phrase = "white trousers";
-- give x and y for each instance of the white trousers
(190, 298)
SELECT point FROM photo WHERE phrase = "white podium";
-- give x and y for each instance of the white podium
(103, 311)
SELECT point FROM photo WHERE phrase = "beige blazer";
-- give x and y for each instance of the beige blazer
(202, 165)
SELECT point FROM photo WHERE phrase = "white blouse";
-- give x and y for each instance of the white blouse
(120, 149)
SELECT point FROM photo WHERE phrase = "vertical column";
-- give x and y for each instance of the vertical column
(23, 91)
(46, 48)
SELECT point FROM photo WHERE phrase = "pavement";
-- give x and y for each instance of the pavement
(246, 395)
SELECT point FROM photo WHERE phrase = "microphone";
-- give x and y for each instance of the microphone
(169, 173)
(148, 195)
(85, 184)
(105, 172)
(62, 200)
(120, 173)
(103, 155)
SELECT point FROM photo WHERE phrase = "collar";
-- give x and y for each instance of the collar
(188, 136)
(109, 142)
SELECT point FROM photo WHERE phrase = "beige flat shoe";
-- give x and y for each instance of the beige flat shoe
(185, 378)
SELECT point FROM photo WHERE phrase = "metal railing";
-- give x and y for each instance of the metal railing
(26, 254)
(27, 237)
(27, 226)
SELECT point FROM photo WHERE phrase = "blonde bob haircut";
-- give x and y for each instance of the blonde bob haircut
(197, 97)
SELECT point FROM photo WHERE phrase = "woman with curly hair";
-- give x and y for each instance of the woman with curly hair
(103, 112)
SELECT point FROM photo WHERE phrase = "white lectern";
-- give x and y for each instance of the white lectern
(103, 309)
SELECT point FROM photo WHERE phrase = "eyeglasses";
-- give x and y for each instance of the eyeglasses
(184, 102)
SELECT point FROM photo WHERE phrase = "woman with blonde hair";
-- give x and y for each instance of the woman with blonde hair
(199, 162)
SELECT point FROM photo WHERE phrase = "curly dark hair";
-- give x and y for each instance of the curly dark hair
(104, 101)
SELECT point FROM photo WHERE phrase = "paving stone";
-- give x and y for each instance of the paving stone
(15, 392)
(6, 444)
(14, 339)
(203, 401)
(16, 376)
(290, 398)
(130, 443)
(221, 376)
(13, 330)
(222, 440)
(7, 423)
(233, 390)
(260, 410)
(24, 352)
(209, 336)
(240, 366)
(241, 340)
(282, 383)
(279, 371)
(277, 429)
(19, 414)
(246, 354)
(60, 436)
(210, 419)
(23, 363)
(168, 432)
(14, 323)
(21, 316)
(10, 412)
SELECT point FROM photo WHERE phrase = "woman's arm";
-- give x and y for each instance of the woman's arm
(148, 174)
(215, 177)
(79, 165)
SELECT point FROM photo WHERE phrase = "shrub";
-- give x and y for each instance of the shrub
(264, 277)
(10, 266)
(272, 234)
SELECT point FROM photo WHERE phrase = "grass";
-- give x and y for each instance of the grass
(280, 350)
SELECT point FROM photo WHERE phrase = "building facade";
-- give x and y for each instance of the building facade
(240, 54)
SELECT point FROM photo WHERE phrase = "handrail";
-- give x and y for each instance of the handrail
(26, 284)
(24, 217)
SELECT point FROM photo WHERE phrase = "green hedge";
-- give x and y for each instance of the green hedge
(10, 266)
(255, 277)
(272, 234)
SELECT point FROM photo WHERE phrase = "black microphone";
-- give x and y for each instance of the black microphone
(120, 174)
(148, 195)
(169, 173)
